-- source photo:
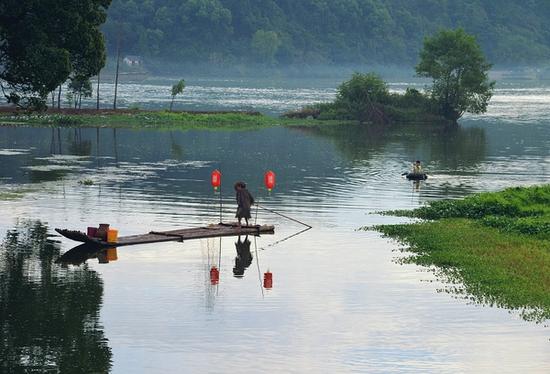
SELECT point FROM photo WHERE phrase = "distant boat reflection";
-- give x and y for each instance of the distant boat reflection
(80, 254)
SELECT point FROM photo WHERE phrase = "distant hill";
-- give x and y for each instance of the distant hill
(281, 32)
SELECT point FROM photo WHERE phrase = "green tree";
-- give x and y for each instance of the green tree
(363, 96)
(44, 42)
(265, 45)
(176, 90)
(80, 86)
(455, 62)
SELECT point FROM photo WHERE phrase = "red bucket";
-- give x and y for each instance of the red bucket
(92, 232)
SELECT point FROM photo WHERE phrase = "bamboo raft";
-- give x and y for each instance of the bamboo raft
(211, 231)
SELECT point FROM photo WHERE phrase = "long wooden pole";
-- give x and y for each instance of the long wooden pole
(220, 201)
(282, 215)
(117, 66)
(59, 97)
(97, 93)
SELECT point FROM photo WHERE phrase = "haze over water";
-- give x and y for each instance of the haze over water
(340, 300)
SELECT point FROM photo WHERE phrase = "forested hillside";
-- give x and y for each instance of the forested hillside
(279, 32)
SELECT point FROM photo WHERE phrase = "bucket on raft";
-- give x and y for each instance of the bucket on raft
(92, 232)
(112, 236)
(417, 176)
(102, 231)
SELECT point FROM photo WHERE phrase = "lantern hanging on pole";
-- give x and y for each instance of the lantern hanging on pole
(269, 180)
(216, 179)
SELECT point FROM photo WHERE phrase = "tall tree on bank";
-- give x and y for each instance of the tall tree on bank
(455, 62)
(176, 90)
(42, 43)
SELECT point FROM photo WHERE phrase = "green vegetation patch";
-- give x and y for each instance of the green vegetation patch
(155, 119)
(497, 245)
(14, 194)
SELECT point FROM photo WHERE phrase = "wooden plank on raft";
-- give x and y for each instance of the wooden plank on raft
(180, 235)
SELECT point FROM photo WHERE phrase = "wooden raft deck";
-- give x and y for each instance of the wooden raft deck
(211, 231)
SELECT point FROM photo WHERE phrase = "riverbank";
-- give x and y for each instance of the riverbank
(492, 247)
(128, 118)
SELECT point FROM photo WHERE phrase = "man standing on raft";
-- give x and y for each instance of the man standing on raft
(244, 201)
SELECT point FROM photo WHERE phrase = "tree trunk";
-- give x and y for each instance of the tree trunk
(97, 93)
(172, 103)
(116, 74)
(59, 98)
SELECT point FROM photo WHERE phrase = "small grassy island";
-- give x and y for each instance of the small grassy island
(154, 119)
(460, 83)
(497, 245)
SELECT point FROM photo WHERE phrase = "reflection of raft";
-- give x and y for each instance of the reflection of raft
(180, 235)
(416, 176)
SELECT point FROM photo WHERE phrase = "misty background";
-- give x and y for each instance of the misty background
(166, 36)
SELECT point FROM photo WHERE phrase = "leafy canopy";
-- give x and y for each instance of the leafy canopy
(178, 87)
(176, 90)
(44, 42)
(361, 94)
(323, 31)
(455, 62)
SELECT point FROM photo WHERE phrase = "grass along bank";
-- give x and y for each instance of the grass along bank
(151, 119)
(494, 247)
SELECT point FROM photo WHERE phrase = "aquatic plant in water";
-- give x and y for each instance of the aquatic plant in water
(496, 246)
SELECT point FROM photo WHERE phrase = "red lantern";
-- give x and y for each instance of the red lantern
(268, 280)
(269, 180)
(214, 275)
(216, 179)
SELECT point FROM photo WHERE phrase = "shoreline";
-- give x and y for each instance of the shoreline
(152, 119)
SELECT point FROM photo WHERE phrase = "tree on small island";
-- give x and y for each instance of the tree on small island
(459, 70)
(460, 84)
(363, 97)
(176, 90)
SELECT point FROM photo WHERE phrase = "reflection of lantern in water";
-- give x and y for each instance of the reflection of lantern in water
(268, 280)
(269, 180)
(216, 179)
(214, 275)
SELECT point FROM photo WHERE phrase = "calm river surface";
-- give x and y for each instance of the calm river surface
(340, 301)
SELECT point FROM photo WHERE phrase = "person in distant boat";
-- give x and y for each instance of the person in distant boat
(417, 168)
(244, 202)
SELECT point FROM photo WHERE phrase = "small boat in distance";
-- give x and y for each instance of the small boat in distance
(416, 176)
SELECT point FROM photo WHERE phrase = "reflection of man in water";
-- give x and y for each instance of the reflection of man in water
(244, 257)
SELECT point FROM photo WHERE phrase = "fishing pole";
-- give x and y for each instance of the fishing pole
(282, 215)
(285, 238)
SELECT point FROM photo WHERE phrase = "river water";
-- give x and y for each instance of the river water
(340, 300)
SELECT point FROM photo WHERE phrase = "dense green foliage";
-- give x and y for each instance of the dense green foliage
(496, 244)
(363, 96)
(366, 98)
(42, 43)
(154, 119)
(321, 31)
(79, 86)
(515, 210)
(454, 61)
